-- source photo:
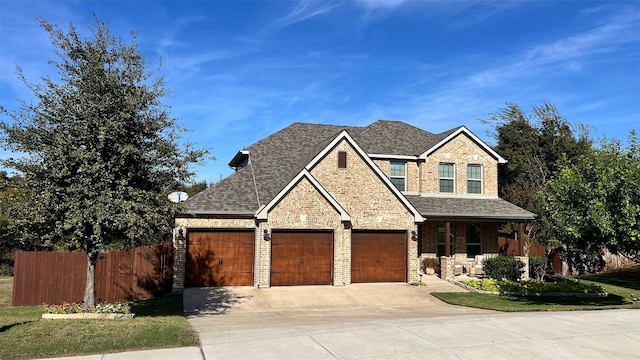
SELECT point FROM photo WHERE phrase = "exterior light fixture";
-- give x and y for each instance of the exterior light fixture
(266, 235)
(414, 235)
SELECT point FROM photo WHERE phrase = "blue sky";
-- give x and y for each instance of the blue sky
(241, 70)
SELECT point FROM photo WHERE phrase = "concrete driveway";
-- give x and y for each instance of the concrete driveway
(318, 303)
(395, 321)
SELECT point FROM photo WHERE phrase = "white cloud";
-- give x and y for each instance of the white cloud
(302, 11)
(381, 4)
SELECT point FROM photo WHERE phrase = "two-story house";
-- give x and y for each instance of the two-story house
(327, 204)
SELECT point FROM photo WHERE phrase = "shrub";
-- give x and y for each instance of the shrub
(6, 265)
(503, 267)
(432, 263)
(6, 270)
(538, 267)
(483, 284)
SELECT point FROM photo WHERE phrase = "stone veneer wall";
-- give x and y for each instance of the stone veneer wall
(462, 151)
(305, 208)
(446, 267)
(413, 177)
(525, 260)
(369, 202)
(412, 172)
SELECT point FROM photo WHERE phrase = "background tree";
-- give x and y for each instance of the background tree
(196, 187)
(103, 151)
(533, 144)
(594, 204)
(7, 239)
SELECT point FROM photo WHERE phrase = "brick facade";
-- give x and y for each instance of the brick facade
(357, 188)
(305, 208)
(368, 201)
(423, 175)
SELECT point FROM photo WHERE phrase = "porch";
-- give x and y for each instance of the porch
(468, 243)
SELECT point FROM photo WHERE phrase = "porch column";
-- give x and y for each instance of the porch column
(520, 239)
(179, 258)
(447, 239)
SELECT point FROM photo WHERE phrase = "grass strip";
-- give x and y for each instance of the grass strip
(159, 323)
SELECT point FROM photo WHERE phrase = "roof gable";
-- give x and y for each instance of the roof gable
(463, 130)
(344, 136)
(263, 212)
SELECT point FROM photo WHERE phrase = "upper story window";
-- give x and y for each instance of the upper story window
(398, 174)
(446, 173)
(474, 179)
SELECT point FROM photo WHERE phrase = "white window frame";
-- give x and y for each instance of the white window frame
(481, 180)
(404, 163)
(453, 179)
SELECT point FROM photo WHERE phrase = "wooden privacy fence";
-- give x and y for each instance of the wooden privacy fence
(510, 247)
(57, 277)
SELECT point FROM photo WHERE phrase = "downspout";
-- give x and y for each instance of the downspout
(255, 186)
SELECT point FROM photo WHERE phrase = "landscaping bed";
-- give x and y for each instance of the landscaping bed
(535, 288)
(622, 288)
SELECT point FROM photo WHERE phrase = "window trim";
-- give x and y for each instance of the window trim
(399, 177)
(481, 180)
(453, 179)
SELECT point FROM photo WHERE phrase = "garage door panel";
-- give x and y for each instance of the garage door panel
(301, 258)
(220, 258)
(378, 257)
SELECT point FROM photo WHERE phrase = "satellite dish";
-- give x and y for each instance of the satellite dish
(178, 196)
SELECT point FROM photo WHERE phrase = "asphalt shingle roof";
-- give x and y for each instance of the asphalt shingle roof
(278, 158)
(471, 208)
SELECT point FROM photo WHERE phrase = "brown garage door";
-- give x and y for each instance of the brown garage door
(301, 258)
(219, 258)
(378, 256)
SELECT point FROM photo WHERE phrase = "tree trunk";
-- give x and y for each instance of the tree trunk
(90, 288)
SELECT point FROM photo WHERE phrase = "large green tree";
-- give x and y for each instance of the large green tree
(102, 149)
(532, 144)
(594, 204)
(6, 195)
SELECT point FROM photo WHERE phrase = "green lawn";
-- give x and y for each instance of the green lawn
(6, 289)
(159, 323)
(619, 284)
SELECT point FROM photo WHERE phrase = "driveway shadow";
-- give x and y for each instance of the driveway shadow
(211, 300)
